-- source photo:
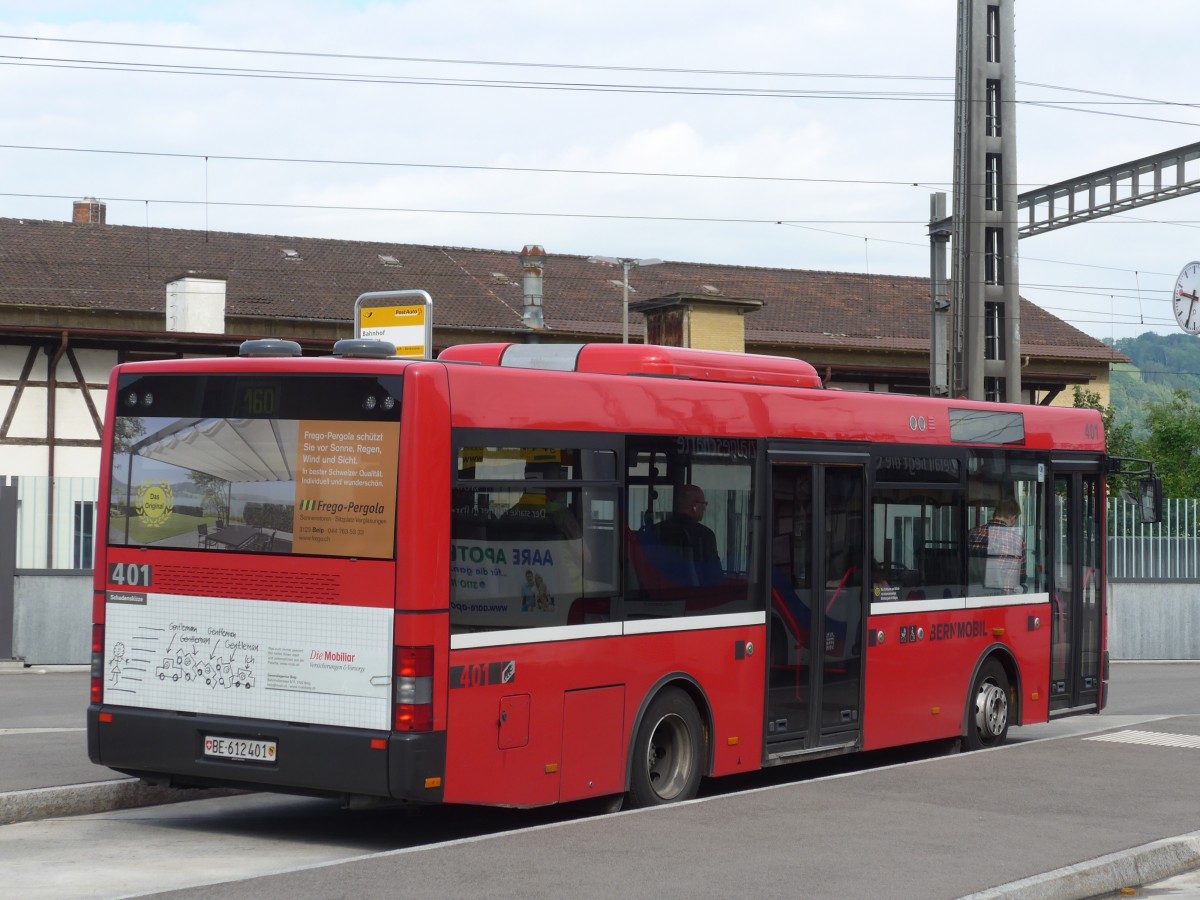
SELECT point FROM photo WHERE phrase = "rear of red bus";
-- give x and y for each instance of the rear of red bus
(247, 630)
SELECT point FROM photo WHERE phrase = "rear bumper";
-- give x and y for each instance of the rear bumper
(168, 748)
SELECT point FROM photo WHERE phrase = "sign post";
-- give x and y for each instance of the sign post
(404, 318)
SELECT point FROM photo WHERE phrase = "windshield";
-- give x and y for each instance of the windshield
(250, 464)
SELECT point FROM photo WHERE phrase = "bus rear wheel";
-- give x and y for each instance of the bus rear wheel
(669, 751)
(990, 709)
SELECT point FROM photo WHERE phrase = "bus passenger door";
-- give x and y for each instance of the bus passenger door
(1077, 590)
(816, 615)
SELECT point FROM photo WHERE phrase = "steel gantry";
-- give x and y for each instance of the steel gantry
(975, 324)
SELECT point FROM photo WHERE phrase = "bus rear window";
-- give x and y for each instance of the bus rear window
(282, 464)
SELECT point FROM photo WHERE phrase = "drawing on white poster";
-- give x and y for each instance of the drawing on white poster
(326, 665)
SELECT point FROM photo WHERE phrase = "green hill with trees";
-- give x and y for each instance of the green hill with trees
(1160, 365)
(1155, 407)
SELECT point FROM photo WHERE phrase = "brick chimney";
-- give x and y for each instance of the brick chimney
(88, 211)
(533, 260)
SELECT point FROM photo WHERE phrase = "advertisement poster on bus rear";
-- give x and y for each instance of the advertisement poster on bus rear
(256, 485)
(296, 662)
(346, 488)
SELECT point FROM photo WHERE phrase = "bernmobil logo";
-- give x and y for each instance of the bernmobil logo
(949, 631)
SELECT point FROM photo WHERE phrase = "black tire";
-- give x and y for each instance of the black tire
(989, 708)
(668, 753)
(601, 806)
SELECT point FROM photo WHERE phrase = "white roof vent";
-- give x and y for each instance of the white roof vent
(617, 282)
(709, 289)
(291, 254)
(390, 261)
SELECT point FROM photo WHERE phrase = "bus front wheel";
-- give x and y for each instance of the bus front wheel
(990, 707)
(669, 751)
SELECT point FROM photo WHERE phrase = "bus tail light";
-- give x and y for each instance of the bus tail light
(97, 663)
(413, 689)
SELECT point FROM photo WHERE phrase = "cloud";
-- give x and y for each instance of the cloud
(670, 91)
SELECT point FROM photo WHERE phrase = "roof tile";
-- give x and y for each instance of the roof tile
(60, 265)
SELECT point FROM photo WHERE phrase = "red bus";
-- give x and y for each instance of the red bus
(527, 574)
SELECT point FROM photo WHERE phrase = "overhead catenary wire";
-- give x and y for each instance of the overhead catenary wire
(561, 86)
(1111, 99)
(342, 207)
(675, 70)
(538, 170)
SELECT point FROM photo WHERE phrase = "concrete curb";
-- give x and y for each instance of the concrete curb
(17, 667)
(103, 796)
(1105, 874)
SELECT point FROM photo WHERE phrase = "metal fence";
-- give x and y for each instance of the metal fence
(56, 527)
(1165, 551)
(56, 522)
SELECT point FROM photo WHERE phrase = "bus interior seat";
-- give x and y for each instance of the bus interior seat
(942, 566)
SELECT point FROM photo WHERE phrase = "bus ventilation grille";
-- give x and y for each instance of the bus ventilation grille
(302, 587)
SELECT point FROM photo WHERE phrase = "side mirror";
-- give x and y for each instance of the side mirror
(1149, 500)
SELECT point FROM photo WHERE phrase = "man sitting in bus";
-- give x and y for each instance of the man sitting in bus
(689, 557)
(997, 550)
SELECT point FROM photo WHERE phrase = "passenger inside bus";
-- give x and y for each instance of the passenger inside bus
(997, 551)
(689, 554)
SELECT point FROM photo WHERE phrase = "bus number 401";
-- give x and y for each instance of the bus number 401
(483, 674)
(129, 574)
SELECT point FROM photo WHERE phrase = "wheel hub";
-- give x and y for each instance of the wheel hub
(991, 710)
(669, 757)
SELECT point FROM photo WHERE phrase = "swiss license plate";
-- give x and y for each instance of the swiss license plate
(239, 749)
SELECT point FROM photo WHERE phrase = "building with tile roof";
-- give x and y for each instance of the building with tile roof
(78, 296)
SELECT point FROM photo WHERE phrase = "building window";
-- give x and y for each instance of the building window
(993, 184)
(992, 108)
(993, 34)
(83, 534)
(993, 330)
(994, 390)
(993, 255)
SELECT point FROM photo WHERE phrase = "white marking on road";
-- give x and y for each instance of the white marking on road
(1150, 738)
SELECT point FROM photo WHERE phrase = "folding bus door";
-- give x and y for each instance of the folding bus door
(814, 692)
(1077, 590)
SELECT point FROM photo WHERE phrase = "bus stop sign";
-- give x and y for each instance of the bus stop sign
(404, 318)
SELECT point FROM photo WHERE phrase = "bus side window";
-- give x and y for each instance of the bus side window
(915, 543)
(1006, 517)
(532, 537)
(687, 533)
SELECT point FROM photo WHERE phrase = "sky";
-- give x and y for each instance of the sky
(797, 134)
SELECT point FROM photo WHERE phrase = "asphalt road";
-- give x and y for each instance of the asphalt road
(42, 737)
(933, 827)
